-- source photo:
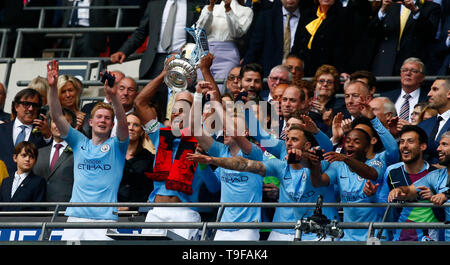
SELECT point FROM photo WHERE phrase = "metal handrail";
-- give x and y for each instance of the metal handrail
(218, 81)
(218, 204)
(42, 10)
(204, 226)
(21, 31)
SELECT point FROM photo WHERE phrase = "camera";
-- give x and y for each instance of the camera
(240, 95)
(318, 224)
(108, 77)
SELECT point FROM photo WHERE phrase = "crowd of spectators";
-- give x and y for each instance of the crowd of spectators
(379, 145)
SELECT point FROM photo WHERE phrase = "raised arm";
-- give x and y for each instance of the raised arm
(388, 141)
(145, 95)
(234, 163)
(205, 67)
(122, 124)
(53, 100)
(204, 140)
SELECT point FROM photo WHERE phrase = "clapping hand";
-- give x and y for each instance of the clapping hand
(309, 125)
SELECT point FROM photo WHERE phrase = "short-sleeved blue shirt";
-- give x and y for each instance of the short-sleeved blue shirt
(237, 186)
(97, 174)
(350, 186)
(296, 187)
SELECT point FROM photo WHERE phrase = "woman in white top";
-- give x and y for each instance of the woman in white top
(224, 23)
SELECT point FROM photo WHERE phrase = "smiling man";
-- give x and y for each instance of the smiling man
(434, 186)
(348, 174)
(413, 143)
(26, 105)
(354, 92)
(252, 80)
(98, 162)
(294, 179)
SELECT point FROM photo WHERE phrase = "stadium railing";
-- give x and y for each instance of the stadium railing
(204, 226)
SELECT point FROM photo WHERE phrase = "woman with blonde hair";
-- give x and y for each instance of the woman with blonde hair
(40, 84)
(69, 93)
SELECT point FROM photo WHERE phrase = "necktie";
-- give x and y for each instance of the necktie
(74, 18)
(166, 40)
(21, 136)
(435, 129)
(170, 105)
(403, 18)
(287, 36)
(55, 156)
(283, 130)
(404, 110)
(15, 185)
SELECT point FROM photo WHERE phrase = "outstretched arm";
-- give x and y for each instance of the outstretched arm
(122, 124)
(356, 166)
(53, 100)
(233, 163)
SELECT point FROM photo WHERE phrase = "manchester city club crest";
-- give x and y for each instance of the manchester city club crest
(105, 148)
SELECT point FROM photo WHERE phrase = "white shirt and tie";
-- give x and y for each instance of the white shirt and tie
(17, 129)
(293, 22)
(413, 100)
(54, 149)
(445, 116)
(179, 33)
(18, 179)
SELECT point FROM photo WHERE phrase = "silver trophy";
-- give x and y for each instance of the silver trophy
(181, 72)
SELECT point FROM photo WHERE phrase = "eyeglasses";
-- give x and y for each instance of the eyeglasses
(279, 79)
(233, 77)
(414, 71)
(27, 104)
(323, 81)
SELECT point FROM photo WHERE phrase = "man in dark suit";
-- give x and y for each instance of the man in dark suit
(23, 185)
(156, 16)
(403, 38)
(436, 126)
(90, 44)
(25, 127)
(411, 78)
(55, 163)
(267, 41)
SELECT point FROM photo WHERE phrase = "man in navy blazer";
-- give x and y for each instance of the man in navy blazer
(266, 42)
(412, 76)
(439, 99)
(26, 105)
(23, 185)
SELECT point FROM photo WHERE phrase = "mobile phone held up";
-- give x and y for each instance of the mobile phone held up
(109, 78)
(292, 159)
